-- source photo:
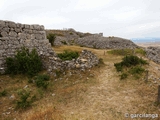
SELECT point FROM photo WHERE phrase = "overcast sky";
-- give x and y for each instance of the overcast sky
(122, 18)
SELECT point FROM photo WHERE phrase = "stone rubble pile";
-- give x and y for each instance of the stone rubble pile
(153, 53)
(86, 60)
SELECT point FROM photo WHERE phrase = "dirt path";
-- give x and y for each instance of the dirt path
(107, 100)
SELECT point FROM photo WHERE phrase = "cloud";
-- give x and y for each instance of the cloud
(122, 18)
(90, 4)
(47, 21)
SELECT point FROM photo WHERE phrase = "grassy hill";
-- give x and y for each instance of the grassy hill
(95, 94)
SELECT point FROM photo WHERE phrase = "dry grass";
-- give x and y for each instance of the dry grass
(96, 94)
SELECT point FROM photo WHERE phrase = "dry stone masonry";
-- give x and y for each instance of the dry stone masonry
(14, 36)
(86, 60)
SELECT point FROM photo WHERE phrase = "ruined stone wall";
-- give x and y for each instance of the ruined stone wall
(13, 36)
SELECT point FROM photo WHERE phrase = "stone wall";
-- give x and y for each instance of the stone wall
(13, 36)
(86, 60)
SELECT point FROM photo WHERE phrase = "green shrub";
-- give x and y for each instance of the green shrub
(132, 60)
(71, 33)
(25, 99)
(101, 61)
(42, 81)
(64, 42)
(123, 76)
(51, 38)
(118, 66)
(3, 93)
(24, 62)
(68, 55)
(137, 70)
(129, 61)
(133, 63)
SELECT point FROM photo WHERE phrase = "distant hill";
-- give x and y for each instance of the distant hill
(146, 39)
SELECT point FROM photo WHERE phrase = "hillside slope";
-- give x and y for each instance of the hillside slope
(71, 37)
(96, 94)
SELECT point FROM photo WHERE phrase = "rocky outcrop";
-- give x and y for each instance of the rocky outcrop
(153, 53)
(99, 42)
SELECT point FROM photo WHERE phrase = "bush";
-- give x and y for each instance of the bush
(51, 38)
(64, 42)
(24, 62)
(71, 33)
(123, 76)
(133, 63)
(137, 70)
(68, 55)
(3, 93)
(41, 81)
(118, 66)
(25, 99)
(101, 61)
(132, 60)
(129, 61)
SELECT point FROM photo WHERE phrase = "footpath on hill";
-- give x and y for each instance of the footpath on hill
(112, 99)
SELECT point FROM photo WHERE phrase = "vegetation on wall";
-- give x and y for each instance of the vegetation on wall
(51, 38)
(68, 55)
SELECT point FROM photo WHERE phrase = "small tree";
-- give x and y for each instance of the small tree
(51, 38)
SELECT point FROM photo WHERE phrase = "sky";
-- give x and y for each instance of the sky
(120, 18)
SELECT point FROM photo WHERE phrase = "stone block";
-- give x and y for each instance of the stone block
(36, 27)
(18, 30)
(18, 25)
(33, 36)
(12, 34)
(4, 34)
(26, 26)
(28, 36)
(31, 27)
(6, 29)
(11, 24)
(22, 35)
(2, 23)
(41, 27)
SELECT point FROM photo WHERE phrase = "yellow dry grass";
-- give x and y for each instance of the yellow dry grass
(96, 94)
